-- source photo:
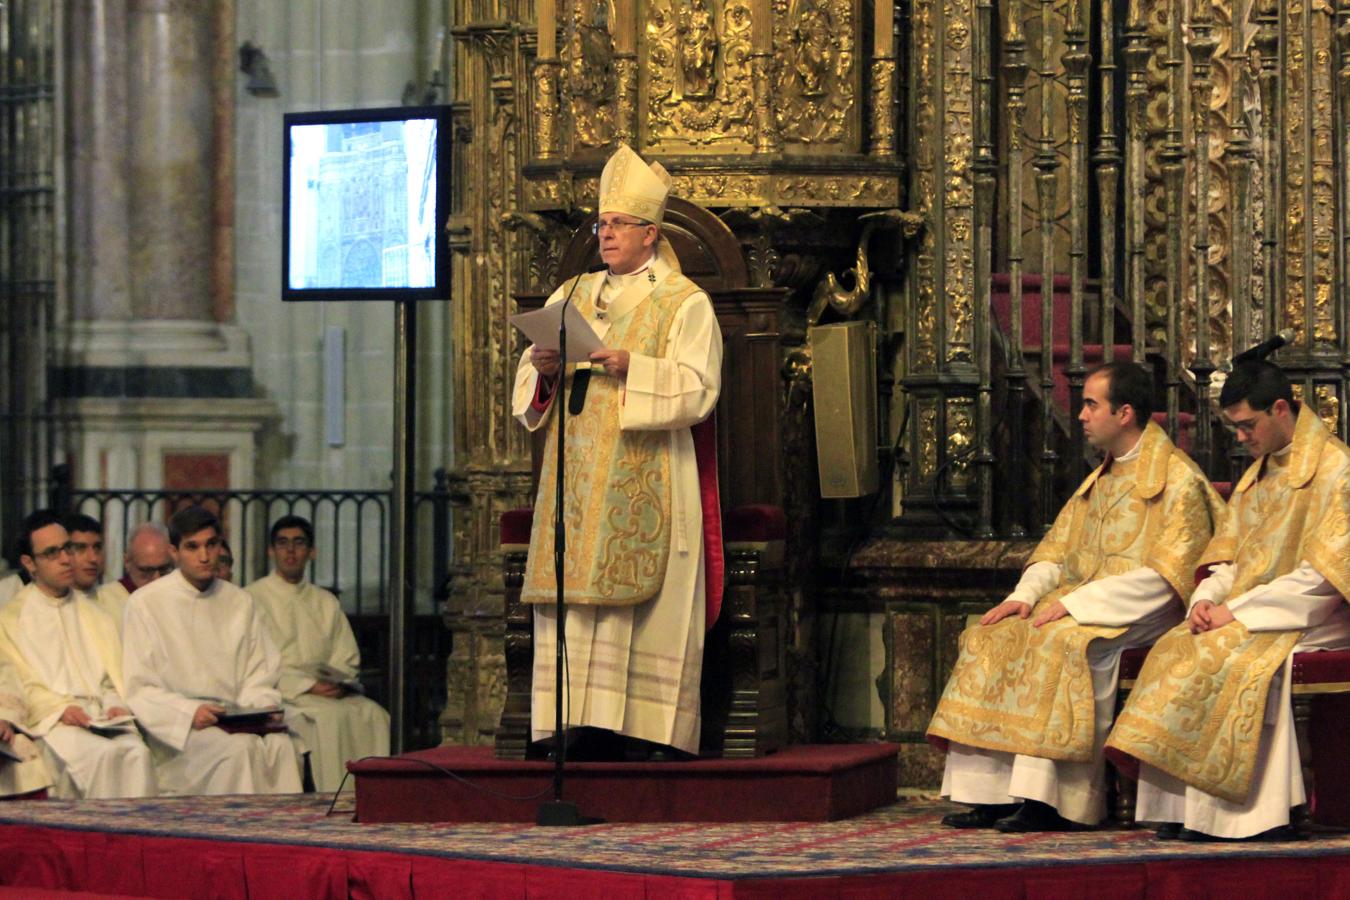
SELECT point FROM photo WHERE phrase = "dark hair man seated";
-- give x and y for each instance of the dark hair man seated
(320, 661)
(1106, 578)
(195, 649)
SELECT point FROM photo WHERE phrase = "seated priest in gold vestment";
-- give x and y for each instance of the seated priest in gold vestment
(639, 493)
(1029, 703)
(1209, 721)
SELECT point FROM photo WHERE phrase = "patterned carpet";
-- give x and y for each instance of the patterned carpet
(903, 837)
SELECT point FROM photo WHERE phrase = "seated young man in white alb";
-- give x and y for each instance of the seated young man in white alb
(194, 647)
(319, 657)
(66, 654)
(88, 557)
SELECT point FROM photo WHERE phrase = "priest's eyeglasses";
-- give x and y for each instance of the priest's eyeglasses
(1247, 426)
(52, 553)
(604, 224)
(299, 543)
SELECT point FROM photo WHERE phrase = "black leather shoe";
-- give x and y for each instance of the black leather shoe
(1273, 835)
(638, 750)
(1035, 816)
(1168, 831)
(980, 816)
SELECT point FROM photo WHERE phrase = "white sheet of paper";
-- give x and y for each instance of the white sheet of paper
(541, 327)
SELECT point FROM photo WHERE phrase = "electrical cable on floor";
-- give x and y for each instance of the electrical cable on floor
(559, 746)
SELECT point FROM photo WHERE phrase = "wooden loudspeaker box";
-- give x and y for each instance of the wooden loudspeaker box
(844, 392)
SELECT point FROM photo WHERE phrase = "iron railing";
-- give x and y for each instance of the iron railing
(352, 560)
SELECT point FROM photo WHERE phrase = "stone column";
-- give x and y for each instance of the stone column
(169, 117)
(96, 151)
(142, 347)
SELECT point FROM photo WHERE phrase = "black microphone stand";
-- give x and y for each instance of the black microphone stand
(560, 812)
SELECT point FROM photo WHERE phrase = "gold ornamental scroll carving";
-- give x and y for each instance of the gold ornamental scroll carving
(733, 189)
(958, 128)
(1310, 171)
(926, 59)
(1322, 162)
(960, 441)
(698, 83)
(589, 86)
(817, 80)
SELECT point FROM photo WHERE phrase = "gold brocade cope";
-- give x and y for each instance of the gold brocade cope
(1021, 689)
(617, 497)
(1198, 706)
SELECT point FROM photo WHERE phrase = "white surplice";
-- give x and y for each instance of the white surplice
(1301, 600)
(182, 646)
(1142, 602)
(636, 669)
(10, 585)
(66, 653)
(309, 628)
(112, 599)
(31, 774)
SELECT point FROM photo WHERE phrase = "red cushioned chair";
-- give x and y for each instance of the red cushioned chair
(1320, 683)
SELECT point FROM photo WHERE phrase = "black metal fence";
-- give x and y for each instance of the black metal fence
(351, 560)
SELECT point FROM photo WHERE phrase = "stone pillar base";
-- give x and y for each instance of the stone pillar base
(159, 405)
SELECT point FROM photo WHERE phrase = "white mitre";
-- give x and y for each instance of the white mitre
(630, 186)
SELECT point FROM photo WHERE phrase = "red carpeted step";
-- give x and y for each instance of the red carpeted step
(1001, 300)
(800, 783)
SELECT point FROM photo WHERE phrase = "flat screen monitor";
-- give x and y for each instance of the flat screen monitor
(365, 197)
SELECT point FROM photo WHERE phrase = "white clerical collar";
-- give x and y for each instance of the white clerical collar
(1285, 450)
(55, 601)
(629, 278)
(1134, 451)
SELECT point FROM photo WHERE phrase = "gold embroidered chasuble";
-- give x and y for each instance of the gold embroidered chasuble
(1020, 689)
(1199, 703)
(616, 501)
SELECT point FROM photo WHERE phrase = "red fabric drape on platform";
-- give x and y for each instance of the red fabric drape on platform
(150, 866)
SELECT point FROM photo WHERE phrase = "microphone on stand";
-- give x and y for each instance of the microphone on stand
(559, 812)
(1261, 350)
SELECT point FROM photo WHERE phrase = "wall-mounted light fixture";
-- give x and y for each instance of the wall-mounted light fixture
(253, 63)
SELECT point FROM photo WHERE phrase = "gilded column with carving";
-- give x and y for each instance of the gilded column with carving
(491, 471)
(1202, 46)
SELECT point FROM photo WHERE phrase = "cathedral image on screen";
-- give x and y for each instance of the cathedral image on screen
(363, 204)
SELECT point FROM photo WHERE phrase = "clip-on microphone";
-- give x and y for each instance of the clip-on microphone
(581, 379)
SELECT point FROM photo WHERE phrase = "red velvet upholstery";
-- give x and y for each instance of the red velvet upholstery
(1311, 668)
(1131, 661)
(515, 526)
(756, 522)
(1322, 667)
